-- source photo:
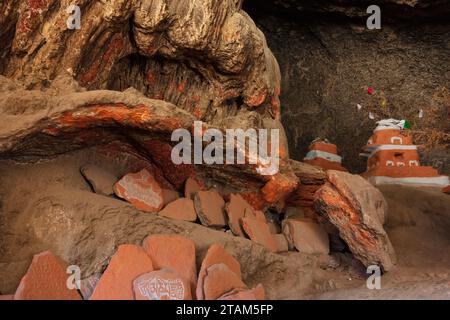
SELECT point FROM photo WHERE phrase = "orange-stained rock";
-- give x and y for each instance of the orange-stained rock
(358, 210)
(164, 284)
(127, 264)
(141, 190)
(215, 255)
(259, 232)
(210, 208)
(236, 209)
(306, 236)
(173, 252)
(169, 196)
(191, 187)
(220, 279)
(181, 209)
(241, 294)
(46, 279)
(7, 297)
(281, 242)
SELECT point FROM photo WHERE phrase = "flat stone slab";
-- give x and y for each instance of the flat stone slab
(173, 252)
(141, 190)
(116, 283)
(210, 208)
(46, 279)
(181, 209)
(164, 284)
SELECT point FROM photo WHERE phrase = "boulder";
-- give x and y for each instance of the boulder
(236, 209)
(173, 252)
(259, 232)
(210, 206)
(141, 190)
(215, 255)
(181, 209)
(220, 279)
(164, 284)
(127, 264)
(358, 210)
(46, 279)
(306, 236)
(101, 181)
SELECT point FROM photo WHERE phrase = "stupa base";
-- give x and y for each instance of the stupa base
(439, 181)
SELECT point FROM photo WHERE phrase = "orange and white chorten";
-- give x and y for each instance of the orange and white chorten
(324, 154)
(394, 159)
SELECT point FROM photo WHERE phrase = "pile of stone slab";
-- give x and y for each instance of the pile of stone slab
(163, 268)
(327, 207)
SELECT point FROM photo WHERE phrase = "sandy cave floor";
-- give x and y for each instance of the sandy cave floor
(49, 206)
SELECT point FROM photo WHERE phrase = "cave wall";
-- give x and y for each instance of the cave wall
(328, 59)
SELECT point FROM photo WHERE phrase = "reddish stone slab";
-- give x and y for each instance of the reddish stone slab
(215, 255)
(191, 187)
(259, 232)
(281, 242)
(116, 283)
(164, 284)
(169, 196)
(173, 252)
(306, 236)
(236, 209)
(141, 190)
(210, 206)
(7, 297)
(220, 279)
(181, 209)
(46, 279)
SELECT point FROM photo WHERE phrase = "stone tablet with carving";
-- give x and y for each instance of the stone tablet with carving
(141, 190)
(164, 284)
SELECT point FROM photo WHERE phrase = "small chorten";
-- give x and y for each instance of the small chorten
(394, 159)
(323, 154)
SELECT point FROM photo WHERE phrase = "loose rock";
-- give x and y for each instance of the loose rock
(306, 236)
(173, 252)
(141, 190)
(181, 209)
(116, 283)
(46, 279)
(210, 206)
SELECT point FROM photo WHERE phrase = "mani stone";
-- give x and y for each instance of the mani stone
(141, 190)
(220, 279)
(46, 279)
(236, 209)
(164, 284)
(215, 255)
(116, 283)
(306, 236)
(173, 252)
(259, 232)
(181, 209)
(210, 206)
